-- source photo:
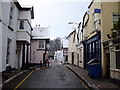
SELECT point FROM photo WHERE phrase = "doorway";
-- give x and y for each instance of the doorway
(72, 57)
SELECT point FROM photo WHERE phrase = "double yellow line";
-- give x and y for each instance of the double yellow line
(23, 80)
(81, 82)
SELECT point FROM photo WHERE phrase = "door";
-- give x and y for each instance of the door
(72, 57)
(108, 64)
(43, 58)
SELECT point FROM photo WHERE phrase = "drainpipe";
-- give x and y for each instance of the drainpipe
(23, 56)
(27, 54)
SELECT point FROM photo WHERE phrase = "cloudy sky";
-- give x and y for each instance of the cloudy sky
(56, 14)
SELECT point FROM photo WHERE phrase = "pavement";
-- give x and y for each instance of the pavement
(90, 82)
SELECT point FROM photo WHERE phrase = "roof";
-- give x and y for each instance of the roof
(90, 4)
(42, 38)
(40, 33)
(25, 8)
(71, 33)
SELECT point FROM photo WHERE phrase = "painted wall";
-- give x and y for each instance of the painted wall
(36, 54)
(72, 48)
(105, 17)
(108, 9)
(7, 33)
(12, 34)
(0, 37)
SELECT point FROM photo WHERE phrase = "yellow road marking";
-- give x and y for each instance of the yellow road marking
(23, 80)
(81, 82)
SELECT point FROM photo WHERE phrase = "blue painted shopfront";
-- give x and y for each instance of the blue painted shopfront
(92, 49)
(92, 56)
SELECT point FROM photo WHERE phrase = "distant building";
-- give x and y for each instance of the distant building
(15, 30)
(65, 50)
(59, 56)
(65, 55)
(39, 43)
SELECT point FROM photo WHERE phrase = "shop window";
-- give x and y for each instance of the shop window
(98, 50)
(118, 57)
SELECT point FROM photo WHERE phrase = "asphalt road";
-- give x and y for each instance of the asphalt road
(58, 76)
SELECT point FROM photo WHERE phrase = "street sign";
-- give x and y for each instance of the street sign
(97, 10)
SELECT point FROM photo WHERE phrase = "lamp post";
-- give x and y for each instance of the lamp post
(47, 45)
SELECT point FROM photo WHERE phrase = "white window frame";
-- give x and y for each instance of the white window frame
(115, 19)
(11, 13)
(40, 44)
(95, 21)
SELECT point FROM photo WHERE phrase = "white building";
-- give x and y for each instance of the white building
(59, 56)
(65, 50)
(16, 30)
(72, 49)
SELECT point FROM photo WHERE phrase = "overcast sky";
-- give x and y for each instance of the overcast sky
(56, 14)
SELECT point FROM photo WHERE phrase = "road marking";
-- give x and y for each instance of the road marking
(23, 80)
(80, 81)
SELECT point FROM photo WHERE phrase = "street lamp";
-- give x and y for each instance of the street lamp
(78, 26)
(72, 23)
(47, 45)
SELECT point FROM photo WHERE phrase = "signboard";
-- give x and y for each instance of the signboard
(97, 10)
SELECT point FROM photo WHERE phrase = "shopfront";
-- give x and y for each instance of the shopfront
(93, 50)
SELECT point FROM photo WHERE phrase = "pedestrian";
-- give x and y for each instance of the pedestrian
(48, 63)
(40, 63)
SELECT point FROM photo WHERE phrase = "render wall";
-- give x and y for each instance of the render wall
(72, 48)
(7, 33)
(36, 54)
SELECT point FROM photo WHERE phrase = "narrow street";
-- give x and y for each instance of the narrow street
(58, 76)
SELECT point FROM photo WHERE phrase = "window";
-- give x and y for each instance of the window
(8, 51)
(118, 57)
(98, 55)
(41, 44)
(95, 21)
(11, 14)
(115, 19)
(21, 24)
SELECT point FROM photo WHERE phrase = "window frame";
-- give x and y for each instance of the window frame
(22, 24)
(117, 54)
(8, 50)
(41, 44)
(95, 21)
(11, 13)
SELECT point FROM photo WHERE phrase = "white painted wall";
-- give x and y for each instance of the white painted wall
(7, 33)
(0, 36)
(59, 56)
(23, 35)
(42, 32)
(72, 48)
